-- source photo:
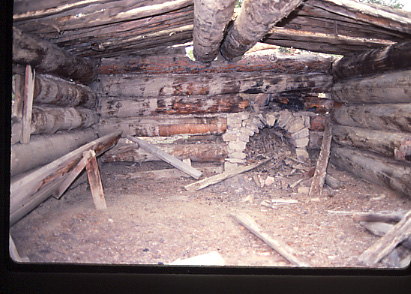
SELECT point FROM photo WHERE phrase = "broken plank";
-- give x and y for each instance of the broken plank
(322, 162)
(221, 177)
(95, 181)
(394, 216)
(380, 229)
(398, 233)
(27, 104)
(283, 249)
(195, 173)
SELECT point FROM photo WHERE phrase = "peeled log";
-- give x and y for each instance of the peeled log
(164, 126)
(256, 19)
(385, 117)
(139, 85)
(196, 104)
(44, 149)
(378, 170)
(392, 87)
(210, 20)
(47, 120)
(196, 152)
(393, 57)
(46, 57)
(397, 145)
(56, 91)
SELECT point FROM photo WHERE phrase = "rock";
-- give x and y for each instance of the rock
(243, 137)
(303, 133)
(230, 136)
(238, 155)
(284, 118)
(295, 125)
(303, 142)
(302, 154)
(230, 166)
(269, 181)
(270, 119)
(235, 146)
(303, 190)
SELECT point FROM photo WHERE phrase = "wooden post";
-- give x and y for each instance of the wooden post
(27, 104)
(95, 181)
(18, 96)
(321, 168)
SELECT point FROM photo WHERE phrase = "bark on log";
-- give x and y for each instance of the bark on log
(208, 84)
(397, 145)
(256, 18)
(210, 20)
(379, 170)
(29, 190)
(56, 91)
(164, 126)
(165, 64)
(47, 120)
(385, 117)
(392, 87)
(171, 105)
(210, 152)
(393, 57)
(48, 58)
(44, 149)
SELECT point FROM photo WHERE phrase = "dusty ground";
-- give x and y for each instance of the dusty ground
(156, 221)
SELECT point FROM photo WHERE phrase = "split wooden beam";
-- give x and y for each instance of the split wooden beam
(17, 110)
(30, 75)
(95, 181)
(381, 228)
(283, 249)
(210, 20)
(195, 173)
(397, 234)
(322, 162)
(255, 20)
(221, 177)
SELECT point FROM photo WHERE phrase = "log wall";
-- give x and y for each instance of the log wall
(372, 132)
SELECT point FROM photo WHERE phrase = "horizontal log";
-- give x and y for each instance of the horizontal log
(29, 190)
(208, 84)
(163, 126)
(397, 145)
(46, 57)
(43, 149)
(255, 19)
(52, 90)
(392, 87)
(393, 57)
(376, 169)
(385, 117)
(163, 64)
(196, 104)
(204, 152)
(47, 120)
(210, 20)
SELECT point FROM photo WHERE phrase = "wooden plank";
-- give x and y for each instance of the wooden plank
(17, 110)
(283, 249)
(95, 181)
(28, 191)
(398, 233)
(395, 216)
(74, 173)
(254, 21)
(221, 177)
(380, 229)
(167, 157)
(322, 163)
(27, 104)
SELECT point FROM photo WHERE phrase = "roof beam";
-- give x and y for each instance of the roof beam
(256, 18)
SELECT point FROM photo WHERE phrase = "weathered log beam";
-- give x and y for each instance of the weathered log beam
(47, 120)
(164, 126)
(208, 84)
(256, 18)
(397, 145)
(210, 20)
(43, 149)
(393, 57)
(378, 170)
(31, 189)
(48, 58)
(385, 117)
(171, 105)
(210, 152)
(319, 42)
(392, 87)
(164, 64)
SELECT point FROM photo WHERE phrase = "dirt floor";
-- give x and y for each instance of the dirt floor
(153, 220)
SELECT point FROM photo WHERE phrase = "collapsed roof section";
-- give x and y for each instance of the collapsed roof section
(109, 28)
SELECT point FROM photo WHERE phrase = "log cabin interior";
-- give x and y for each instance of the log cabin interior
(211, 132)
